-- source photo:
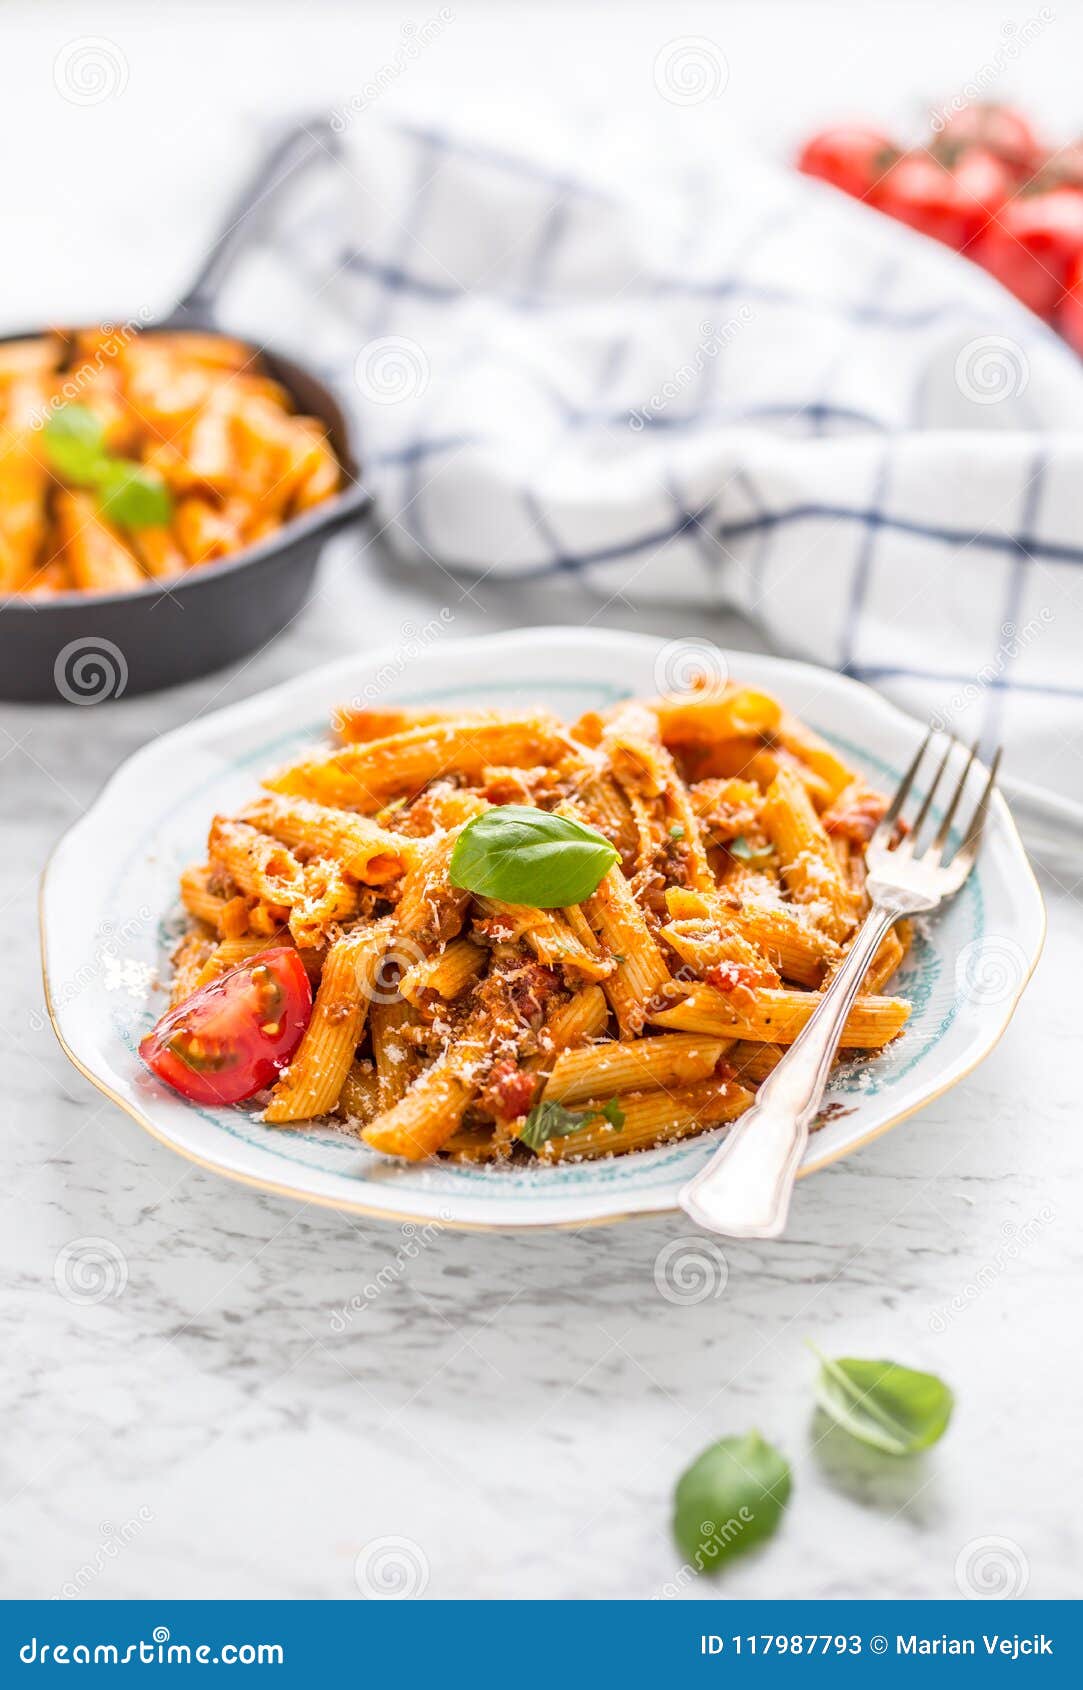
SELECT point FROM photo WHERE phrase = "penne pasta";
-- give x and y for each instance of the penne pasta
(778, 1015)
(669, 1061)
(363, 777)
(650, 1118)
(96, 423)
(447, 975)
(365, 851)
(424, 1118)
(717, 862)
(257, 864)
(809, 865)
(641, 971)
(397, 1060)
(310, 1086)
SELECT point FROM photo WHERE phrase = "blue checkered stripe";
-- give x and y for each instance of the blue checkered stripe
(713, 386)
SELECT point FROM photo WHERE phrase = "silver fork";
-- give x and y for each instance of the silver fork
(744, 1191)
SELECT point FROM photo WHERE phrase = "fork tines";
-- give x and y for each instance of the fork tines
(907, 846)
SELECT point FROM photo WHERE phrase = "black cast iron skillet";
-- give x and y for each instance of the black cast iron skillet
(82, 647)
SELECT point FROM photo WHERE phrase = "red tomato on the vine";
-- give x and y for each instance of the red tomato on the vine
(1033, 246)
(1000, 129)
(233, 1037)
(951, 205)
(1070, 316)
(849, 156)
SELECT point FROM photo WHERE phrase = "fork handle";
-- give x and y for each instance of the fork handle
(744, 1191)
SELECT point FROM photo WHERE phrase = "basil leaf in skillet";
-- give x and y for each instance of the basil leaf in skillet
(729, 1499)
(75, 445)
(134, 497)
(552, 1120)
(129, 495)
(526, 856)
(895, 1409)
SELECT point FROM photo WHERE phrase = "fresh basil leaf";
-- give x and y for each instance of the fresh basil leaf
(893, 1408)
(552, 1120)
(75, 444)
(526, 856)
(752, 854)
(730, 1499)
(614, 1114)
(549, 1120)
(134, 497)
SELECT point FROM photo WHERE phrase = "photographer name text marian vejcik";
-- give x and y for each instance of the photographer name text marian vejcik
(1013, 1646)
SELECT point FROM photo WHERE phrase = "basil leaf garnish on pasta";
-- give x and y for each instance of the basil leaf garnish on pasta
(754, 855)
(134, 497)
(552, 1120)
(525, 856)
(75, 444)
(129, 495)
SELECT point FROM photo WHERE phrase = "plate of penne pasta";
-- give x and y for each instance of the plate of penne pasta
(510, 938)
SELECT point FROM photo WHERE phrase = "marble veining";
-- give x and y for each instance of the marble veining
(205, 1396)
(268, 1388)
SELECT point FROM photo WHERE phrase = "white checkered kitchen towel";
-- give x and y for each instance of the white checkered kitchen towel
(715, 383)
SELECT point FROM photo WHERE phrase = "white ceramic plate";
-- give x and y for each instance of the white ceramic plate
(110, 918)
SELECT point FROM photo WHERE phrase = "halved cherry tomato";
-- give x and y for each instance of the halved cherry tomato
(1000, 129)
(233, 1037)
(1070, 316)
(953, 205)
(1033, 246)
(850, 157)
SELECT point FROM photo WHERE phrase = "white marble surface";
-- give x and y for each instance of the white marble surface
(516, 1408)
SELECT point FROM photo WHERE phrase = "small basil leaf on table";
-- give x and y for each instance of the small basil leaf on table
(526, 856)
(75, 445)
(895, 1409)
(552, 1120)
(134, 497)
(730, 1499)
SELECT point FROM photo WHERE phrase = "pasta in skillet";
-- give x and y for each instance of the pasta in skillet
(485, 936)
(132, 457)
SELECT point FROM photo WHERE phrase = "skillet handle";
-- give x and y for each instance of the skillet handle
(301, 146)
